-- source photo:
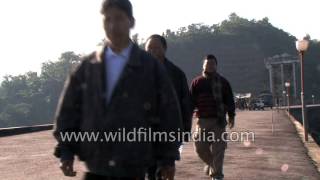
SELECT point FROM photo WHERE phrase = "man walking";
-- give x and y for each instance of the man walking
(119, 88)
(212, 97)
(156, 45)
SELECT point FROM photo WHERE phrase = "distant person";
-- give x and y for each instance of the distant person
(121, 87)
(156, 45)
(212, 96)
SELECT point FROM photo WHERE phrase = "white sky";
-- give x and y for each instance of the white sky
(34, 31)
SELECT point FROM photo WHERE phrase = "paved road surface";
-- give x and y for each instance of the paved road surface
(273, 156)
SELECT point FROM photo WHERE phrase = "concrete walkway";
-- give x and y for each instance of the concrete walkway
(272, 156)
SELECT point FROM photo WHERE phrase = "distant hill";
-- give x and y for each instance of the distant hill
(241, 46)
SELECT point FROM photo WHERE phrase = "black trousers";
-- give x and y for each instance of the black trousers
(91, 176)
(153, 173)
(152, 170)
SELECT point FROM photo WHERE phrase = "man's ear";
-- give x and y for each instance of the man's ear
(132, 22)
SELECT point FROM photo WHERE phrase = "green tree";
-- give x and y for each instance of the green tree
(30, 99)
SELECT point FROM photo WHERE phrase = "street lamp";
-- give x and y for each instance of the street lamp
(302, 46)
(313, 102)
(284, 98)
(287, 85)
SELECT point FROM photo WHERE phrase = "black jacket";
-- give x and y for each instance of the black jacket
(180, 84)
(143, 97)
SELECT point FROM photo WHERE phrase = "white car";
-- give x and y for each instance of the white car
(257, 104)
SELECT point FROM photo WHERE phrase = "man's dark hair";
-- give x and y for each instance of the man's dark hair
(160, 38)
(211, 57)
(124, 5)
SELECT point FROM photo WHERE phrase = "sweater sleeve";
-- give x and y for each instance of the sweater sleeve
(193, 94)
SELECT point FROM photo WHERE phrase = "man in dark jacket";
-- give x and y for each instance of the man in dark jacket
(212, 96)
(116, 90)
(156, 45)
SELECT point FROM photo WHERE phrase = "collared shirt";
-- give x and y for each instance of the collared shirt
(115, 64)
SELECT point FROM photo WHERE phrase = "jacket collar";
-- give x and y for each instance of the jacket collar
(133, 63)
(134, 59)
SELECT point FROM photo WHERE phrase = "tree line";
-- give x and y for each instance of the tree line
(241, 45)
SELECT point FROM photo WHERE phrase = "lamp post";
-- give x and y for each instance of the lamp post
(284, 98)
(287, 85)
(302, 46)
(313, 101)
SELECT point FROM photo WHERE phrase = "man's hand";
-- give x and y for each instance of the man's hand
(231, 122)
(67, 168)
(167, 172)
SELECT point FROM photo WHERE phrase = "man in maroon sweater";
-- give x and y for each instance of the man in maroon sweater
(213, 98)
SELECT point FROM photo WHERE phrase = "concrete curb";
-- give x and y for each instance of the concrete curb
(311, 146)
(23, 130)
